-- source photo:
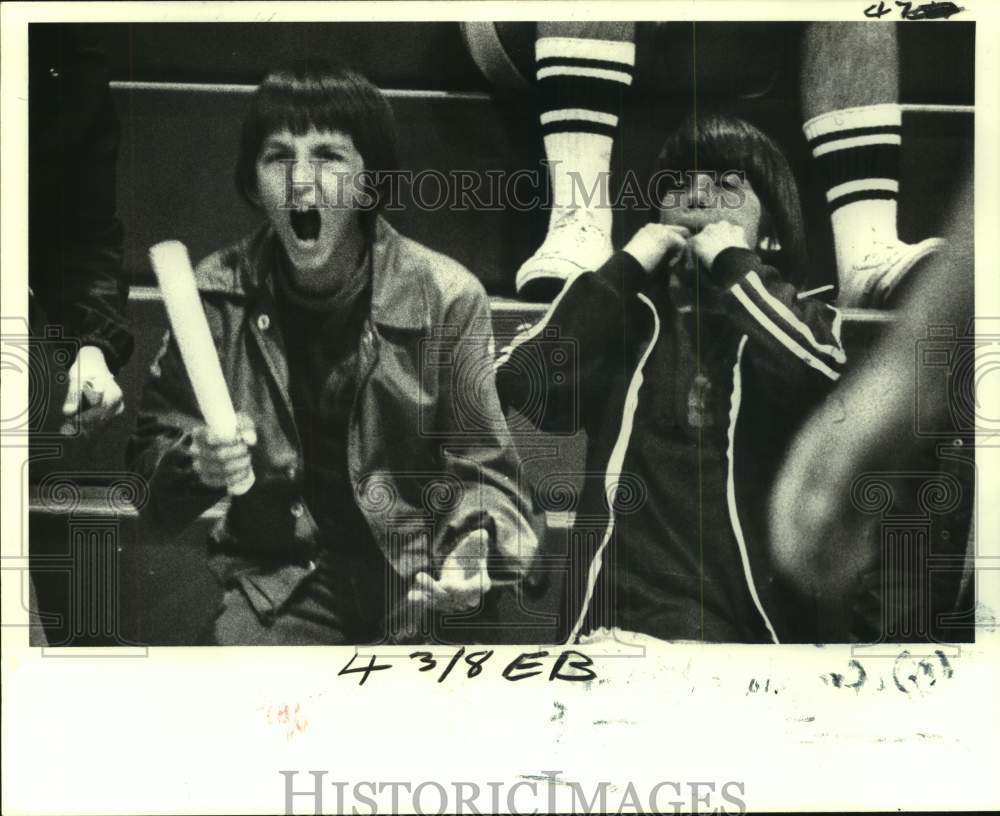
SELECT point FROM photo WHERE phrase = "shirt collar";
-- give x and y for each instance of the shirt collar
(399, 296)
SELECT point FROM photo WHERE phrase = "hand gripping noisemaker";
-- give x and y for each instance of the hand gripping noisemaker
(187, 321)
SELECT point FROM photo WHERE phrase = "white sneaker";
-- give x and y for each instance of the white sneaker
(575, 243)
(872, 281)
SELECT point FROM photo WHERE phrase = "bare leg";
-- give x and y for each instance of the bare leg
(847, 65)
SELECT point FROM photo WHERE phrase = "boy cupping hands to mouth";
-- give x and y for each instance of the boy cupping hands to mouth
(698, 220)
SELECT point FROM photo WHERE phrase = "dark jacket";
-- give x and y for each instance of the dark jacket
(75, 237)
(429, 453)
(774, 355)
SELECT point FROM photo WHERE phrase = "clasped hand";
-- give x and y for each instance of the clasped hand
(220, 461)
(678, 247)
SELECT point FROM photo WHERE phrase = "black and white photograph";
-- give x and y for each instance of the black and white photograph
(604, 395)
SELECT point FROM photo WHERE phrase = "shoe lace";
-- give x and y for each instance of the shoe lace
(880, 255)
(579, 219)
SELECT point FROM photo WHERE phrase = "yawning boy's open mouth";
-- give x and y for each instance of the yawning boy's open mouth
(305, 223)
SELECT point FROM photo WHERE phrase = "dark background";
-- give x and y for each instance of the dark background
(178, 146)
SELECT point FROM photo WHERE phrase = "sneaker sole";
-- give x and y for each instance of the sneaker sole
(557, 270)
(885, 288)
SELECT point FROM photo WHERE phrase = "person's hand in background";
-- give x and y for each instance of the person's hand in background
(94, 395)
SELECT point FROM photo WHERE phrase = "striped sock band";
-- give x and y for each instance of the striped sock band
(581, 83)
(857, 151)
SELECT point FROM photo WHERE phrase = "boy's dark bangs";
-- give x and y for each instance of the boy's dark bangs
(299, 109)
(313, 94)
(714, 145)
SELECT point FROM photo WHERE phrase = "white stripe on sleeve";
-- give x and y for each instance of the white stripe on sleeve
(836, 353)
(781, 336)
(533, 331)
